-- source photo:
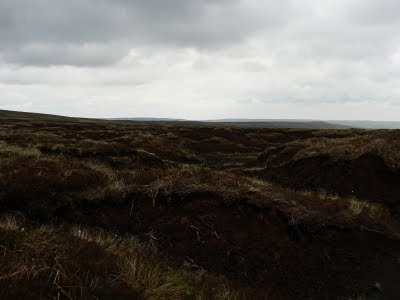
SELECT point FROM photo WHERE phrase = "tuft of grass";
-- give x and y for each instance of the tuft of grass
(85, 263)
(374, 211)
(139, 267)
(16, 151)
(114, 182)
(11, 222)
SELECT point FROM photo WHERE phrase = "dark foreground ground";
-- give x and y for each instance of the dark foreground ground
(112, 210)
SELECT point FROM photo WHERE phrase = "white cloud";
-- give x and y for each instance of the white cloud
(334, 59)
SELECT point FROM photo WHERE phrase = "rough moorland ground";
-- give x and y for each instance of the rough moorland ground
(117, 210)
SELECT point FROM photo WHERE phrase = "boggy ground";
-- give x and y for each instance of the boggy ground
(365, 164)
(110, 210)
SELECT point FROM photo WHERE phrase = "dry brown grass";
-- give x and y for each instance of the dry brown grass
(95, 181)
(16, 151)
(139, 266)
(301, 206)
(344, 145)
(81, 263)
(385, 143)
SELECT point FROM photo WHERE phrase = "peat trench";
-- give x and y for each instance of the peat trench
(258, 248)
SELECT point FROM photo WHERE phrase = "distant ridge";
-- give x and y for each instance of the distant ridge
(9, 114)
(147, 119)
(278, 124)
(244, 123)
(244, 120)
(369, 124)
(24, 115)
(237, 122)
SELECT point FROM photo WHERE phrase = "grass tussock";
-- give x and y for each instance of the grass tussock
(347, 145)
(15, 151)
(139, 266)
(304, 206)
(81, 263)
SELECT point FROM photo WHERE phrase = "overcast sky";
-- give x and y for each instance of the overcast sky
(202, 59)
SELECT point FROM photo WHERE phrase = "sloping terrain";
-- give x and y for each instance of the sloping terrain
(111, 210)
(299, 124)
(364, 164)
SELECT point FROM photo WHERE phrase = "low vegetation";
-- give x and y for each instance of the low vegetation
(74, 262)
(104, 210)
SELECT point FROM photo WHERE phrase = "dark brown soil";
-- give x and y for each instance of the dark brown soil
(261, 248)
(366, 177)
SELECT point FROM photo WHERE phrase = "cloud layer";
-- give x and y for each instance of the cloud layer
(333, 59)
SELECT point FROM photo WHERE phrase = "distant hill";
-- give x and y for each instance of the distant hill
(244, 123)
(279, 124)
(244, 120)
(24, 115)
(368, 124)
(148, 119)
(28, 115)
(247, 123)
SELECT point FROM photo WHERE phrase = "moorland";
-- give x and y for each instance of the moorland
(101, 209)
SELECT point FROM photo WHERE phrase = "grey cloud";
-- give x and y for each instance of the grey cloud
(183, 56)
(65, 54)
(53, 32)
(75, 23)
(374, 13)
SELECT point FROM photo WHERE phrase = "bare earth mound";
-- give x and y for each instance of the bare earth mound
(365, 166)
